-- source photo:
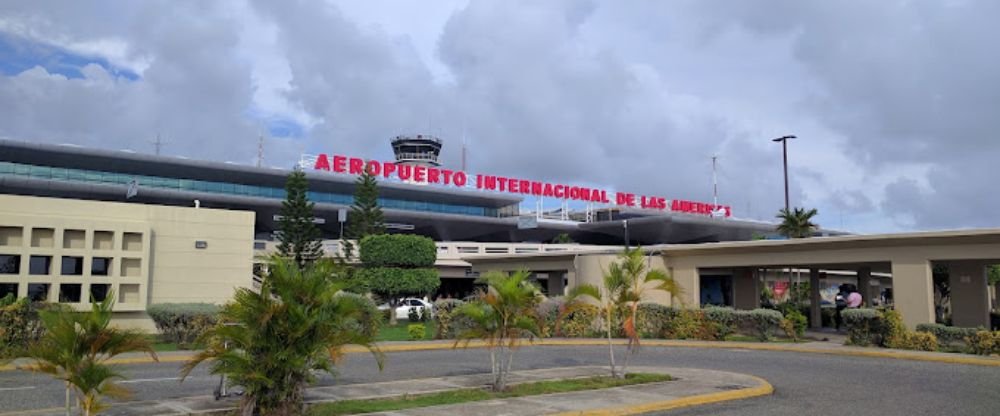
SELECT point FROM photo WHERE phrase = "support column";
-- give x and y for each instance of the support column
(970, 303)
(815, 314)
(746, 293)
(865, 285)
(555, 284)
(688, 280)
(913, 290)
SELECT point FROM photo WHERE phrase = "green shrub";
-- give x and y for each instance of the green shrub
(948, 335)
(892, 331)
(582, 322)
(920, 341)
(392, 282)
(19, 325)
(798, 322)
(863, 326)
(764, 322)
(653, 319)
(548, 313)
(183, 323)
(449, 323)
(686, 324)
(725, 320)
(416, 331)
(371, 319)
(984, 342)
(398, 250)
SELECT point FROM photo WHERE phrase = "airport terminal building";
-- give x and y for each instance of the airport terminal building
(77, 223)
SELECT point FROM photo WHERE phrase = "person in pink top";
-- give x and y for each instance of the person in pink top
(854, 300)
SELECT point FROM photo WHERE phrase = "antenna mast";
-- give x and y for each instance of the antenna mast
(260, 150)
(715, 184)
(157, 144)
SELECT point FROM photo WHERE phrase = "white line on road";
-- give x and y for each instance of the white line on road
(144, 380)
(16, 388)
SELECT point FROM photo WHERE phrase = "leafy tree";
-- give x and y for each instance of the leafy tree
(76, 348)
(624, 285)
(797, 223)
(994, 274)
(365, 217)
(503, 315)
(398, 265)
(563, 238)
(299, 237)
(271, 341)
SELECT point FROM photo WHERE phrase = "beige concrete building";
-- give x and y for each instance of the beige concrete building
(68, 251)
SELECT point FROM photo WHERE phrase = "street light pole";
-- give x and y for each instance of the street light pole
(784, 155)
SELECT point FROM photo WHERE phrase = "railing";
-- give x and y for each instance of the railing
(456, 250)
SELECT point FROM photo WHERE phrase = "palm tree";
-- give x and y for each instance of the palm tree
(271, 341)
(502, 316)
(798, 223)
(624, 285)
(76, 347)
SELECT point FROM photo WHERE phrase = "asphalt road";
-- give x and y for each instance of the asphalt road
(805, 384)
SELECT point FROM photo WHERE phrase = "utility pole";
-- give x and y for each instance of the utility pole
(715, 185)
(157, 144)
(784, 153)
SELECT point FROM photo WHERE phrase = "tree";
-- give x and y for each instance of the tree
(271, 341)
(398, 265)
(365, 217)
(624, 285)
(798, 223)
(563, 238)
(299, 237)
(76, 348)
(502, 315)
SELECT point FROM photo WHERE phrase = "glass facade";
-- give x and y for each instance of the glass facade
(90, 176)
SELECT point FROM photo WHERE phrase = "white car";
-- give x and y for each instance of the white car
(403, 310)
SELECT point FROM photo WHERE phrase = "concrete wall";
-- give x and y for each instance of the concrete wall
(152, 250)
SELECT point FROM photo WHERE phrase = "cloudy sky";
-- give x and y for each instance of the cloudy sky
(896, 103)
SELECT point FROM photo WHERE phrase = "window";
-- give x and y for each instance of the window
(99, 292)
(40, 265)
(74, 238)
(8, 289)
(104, 240)
(10, 236)
(38, 292)
(100, 266)
(10, 264)
(259, 245)
(43, 237)
(72, 266)
(128, 293)
(131, 267)
(132, 242)
(70, 292)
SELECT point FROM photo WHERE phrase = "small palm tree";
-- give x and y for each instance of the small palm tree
(624, 285)
(271, 341)
(502, 316)
(798, 223)
(76, 347)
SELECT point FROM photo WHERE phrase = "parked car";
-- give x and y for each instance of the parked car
(404, 305)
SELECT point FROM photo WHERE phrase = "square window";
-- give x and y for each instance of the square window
(38, 292)
(72, 266)
(7, 289)
(104, 240)
(131, 267)
(43, 237)
(128, 293)
(100, 266)
(39, 265)
(99, 292)
(10, 236)
(10, 264)
(70, 292)
(74, 238)
(132, 242)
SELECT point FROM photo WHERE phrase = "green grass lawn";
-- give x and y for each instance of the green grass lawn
(399, 332)
(349, 407)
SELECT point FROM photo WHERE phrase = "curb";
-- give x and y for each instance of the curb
(763, 389)
(401, 347)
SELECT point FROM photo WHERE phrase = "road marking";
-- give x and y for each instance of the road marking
(16, 388)
(144, 380)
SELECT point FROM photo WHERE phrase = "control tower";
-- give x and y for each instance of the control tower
(421, 149)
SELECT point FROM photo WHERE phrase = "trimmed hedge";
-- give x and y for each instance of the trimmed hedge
(863, 326)
(183, 323)
(392, 282)
(764, 322)
(948, 335)
(398, 250)
(984, 342)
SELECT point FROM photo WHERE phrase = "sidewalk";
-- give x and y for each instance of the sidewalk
(690, 387)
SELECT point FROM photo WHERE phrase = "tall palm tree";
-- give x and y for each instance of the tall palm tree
(797, 223)
(271, 341)
(626, 283)
(76, 347)
(502, 316)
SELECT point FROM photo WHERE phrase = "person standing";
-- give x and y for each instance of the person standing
(854, 299)
(841, 302)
